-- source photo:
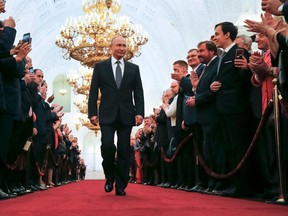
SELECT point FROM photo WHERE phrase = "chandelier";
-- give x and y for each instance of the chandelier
(87, 39)
(80, 83)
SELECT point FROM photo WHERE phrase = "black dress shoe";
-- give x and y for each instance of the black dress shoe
(108, 187)
(182, 187)
(217, 192)
(41, 187)
(196, 188)
(208, 191)
(232, 192)
(14, 190)
(166, 185)
(33, 188)
(4, 196)
(120, 193)
(175, 186)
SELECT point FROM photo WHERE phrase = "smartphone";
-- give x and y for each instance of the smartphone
(239, 53)
(43, 83)
(31, 70)
(26, 38)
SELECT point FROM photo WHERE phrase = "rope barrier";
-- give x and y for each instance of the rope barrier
(207, 169)
(260, 127)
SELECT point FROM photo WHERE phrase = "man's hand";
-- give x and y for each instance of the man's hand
(138, 120)
(23, 51)
(215, 86)
(57, 108)
(258, 66)
(2, 7)
(194, 79)
(241, 63)
(94, 120)
(34, 132)
(28, 78)
(271, 6)
(15, 50)
(191, 102)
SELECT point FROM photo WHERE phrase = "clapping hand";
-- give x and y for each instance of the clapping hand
(258, 66)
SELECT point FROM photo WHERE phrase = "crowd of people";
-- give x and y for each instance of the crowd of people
(203, 137)
(37, 150)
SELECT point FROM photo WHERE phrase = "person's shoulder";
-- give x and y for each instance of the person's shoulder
(102, 63)
(130, 63)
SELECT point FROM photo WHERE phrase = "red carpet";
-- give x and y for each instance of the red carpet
(88, 198)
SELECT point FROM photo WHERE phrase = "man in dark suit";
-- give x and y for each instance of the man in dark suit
(204, 101)
(120, 84)
(232, 102)
(11, 70)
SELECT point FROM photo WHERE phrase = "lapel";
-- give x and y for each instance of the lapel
(200, 69)
(209, 72)
(230, 55)
(109, 72)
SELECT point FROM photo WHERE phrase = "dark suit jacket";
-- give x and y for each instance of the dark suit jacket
(185, 83)
(233, 96)
(11, 73)
(205, 98)
(200, 69)
(161, 133)
(125, 102)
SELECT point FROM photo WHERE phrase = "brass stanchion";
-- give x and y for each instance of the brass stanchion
(281, 199)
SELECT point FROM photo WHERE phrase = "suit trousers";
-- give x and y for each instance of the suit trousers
(116, 161)
(6, 129)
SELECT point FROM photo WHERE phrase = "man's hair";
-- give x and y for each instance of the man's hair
(228, 27)
(192, 50)
(181, 63)
(37, 69)
(247, 40)
(209, 45)
(117, 36)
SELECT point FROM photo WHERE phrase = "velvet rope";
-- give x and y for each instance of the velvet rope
(207, 169)
(260, 127)
(178, 149)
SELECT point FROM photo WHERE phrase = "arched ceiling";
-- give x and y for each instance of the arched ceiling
(173, 26)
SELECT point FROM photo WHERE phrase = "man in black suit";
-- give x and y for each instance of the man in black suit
(204, 101)
(121, 107)
(11, 70)
(232, 102)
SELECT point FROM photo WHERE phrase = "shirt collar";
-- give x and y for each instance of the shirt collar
(211, 60)
(114, 60)
(196, 67)
(229, 47)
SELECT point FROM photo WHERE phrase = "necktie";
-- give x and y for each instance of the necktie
(118, 74)
(220, 60)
